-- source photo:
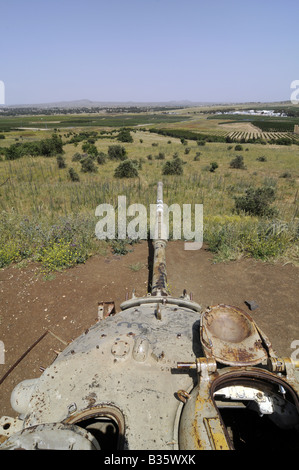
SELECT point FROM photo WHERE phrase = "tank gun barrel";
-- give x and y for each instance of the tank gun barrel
(159, 278)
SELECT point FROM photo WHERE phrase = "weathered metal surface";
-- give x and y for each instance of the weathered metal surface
(230, 336)
(99, 368)
(105, 309)
(159, 282)
(49, 436)
(201, 427)
(159, 278)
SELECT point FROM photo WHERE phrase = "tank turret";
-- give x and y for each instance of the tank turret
(160, 374)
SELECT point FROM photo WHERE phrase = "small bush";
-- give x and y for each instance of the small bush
(90, 149)
(60, 161)
(261, 245)
(76, 157)
(117, 152)
(126, 169)
(88, 165)
(9, 253)
(73, 175)
(174, 167)
(261, 159)
(125, 136)
(61, 254)
(161, 156)
(213, 167)
(101, 158)
(119, 247)
(257, 201)
(238, 147)
(238, 162)
(260, 239)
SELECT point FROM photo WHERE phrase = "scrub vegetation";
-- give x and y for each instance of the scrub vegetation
(52, 180)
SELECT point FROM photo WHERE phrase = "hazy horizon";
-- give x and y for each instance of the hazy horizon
(182, 103)
(150, 51)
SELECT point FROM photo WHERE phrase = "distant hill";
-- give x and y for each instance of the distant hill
(85, 103)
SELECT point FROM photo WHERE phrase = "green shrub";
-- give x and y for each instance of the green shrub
(173, 167)
(77, 157)
(9, 253)
(101, 158)
(117, 152)
(213, 167)
(238, 162)
(124, 136)
(90, 149)
(61, 254)
(119, 247)
(126, 169)
(257, 201)
(238, 147)
(73, 175)
(45, 147)
(261, 159)
(261, 245)
(60, 161)
(161, 156)
(88, 165)
(260, 239)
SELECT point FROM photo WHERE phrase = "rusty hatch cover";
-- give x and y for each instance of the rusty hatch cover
(230, 336)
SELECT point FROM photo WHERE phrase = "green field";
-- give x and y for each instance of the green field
(48, 217)
(89, 120)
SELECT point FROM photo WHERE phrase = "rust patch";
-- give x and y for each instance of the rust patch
(91, 399)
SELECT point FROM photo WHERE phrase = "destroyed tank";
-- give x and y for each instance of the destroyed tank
(160, 374)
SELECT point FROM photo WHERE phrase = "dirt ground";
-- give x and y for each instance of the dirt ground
(67, 304)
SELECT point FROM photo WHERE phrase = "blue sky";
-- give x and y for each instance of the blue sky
(148, 50)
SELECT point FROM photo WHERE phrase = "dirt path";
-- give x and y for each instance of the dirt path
(67, 305)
